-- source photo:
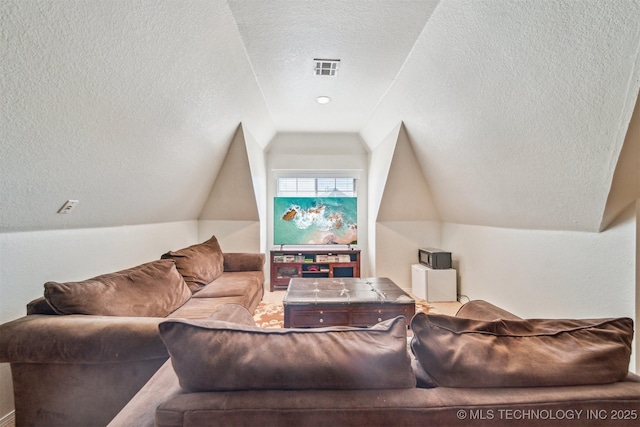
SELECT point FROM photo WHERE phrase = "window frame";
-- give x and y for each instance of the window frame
(305, 186)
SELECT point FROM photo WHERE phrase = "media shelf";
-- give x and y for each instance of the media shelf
(294, 263)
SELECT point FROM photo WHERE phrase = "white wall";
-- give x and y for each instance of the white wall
(29, 259)
(550, 274)
(233, 236)
(397, 244)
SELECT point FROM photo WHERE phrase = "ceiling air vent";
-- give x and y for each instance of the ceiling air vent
(326, 67)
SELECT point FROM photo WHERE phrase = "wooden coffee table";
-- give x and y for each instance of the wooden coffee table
(312, 303)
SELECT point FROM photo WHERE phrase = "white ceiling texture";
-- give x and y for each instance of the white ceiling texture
(517, 110)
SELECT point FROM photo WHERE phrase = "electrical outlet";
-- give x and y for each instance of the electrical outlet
(68, 206)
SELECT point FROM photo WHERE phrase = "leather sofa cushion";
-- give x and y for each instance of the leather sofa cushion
(235, 283)
(233, 313)
(210, 355)
(459, 352)
(439, 407)
(199, 264)
(243, 261)
(154, 289)
(201, 308)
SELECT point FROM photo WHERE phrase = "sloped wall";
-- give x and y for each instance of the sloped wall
(406, 195)
(407, 218)
(258, 165)
(625, 186)
(127, 106)
(518, 110)
(231, 211)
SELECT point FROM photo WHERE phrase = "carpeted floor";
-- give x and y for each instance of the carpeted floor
(271, 314)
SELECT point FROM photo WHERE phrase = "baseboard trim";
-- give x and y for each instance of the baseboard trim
(9, 419)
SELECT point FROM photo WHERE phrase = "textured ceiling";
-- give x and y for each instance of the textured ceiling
(371, 38)
(516, 110)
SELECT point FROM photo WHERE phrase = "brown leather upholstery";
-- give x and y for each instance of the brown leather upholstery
(199, 264)
(217, 355)
(81, 370)
(459, 352)
(440, 406)
(483, 310)
(154, 289)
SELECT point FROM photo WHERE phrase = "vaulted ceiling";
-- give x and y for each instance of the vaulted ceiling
(517, 111)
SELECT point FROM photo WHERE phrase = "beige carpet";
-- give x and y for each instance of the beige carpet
(271, 314)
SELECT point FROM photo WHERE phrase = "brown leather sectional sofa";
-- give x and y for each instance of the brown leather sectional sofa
(483, 367)
(86, 348)
(94, 353)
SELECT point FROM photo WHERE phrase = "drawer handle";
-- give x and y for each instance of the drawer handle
(321, 320)
(321, 312)
(379, 319)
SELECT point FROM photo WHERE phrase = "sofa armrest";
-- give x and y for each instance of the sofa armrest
(81, 339)
(164, 385)
(40, 306)
(635, 378)
(483, 310)
(241, 261)
(141, 409)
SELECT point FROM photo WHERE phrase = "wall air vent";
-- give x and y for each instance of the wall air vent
(325, 67)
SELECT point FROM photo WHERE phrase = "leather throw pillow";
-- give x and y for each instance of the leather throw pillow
(154, 289)
(199, 264)
(458, 352)
(211, 355)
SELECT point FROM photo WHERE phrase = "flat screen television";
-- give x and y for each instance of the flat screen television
(315, 221)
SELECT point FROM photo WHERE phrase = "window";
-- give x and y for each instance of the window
(316, 187)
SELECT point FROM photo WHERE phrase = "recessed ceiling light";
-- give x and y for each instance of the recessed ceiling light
(323, 100)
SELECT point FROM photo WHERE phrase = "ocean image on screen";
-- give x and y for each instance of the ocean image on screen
(315, 220)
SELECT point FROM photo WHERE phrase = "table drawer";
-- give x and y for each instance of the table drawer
(369, 317)
(311, 317)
